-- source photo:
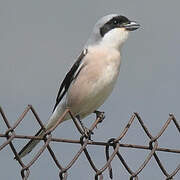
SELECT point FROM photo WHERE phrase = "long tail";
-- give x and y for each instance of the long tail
(30, 145)
(52, 121)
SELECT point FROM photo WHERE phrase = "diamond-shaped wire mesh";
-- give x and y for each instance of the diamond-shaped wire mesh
(114, 143)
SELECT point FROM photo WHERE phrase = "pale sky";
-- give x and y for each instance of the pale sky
(40, 40)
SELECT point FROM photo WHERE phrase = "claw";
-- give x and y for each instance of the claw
(88, 133)
(100, 115)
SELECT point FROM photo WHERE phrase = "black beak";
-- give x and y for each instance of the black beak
(131, 26)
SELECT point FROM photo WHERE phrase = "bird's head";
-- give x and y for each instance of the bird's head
(112, 30)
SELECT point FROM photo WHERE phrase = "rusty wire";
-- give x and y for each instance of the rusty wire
(85, 141)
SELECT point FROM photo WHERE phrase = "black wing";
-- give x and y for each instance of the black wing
(69, 78)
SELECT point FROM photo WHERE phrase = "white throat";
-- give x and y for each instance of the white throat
(114, 38)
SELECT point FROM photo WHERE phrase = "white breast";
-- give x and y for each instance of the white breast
(95, 82)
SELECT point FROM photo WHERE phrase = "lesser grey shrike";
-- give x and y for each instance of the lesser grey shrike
(93, 76)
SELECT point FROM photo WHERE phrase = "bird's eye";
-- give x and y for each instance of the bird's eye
(115, 22)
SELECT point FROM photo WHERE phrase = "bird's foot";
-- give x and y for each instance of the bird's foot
(87, 133)
(100, 115)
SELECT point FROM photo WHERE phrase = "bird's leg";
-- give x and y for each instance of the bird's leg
(87, 132)
(100, 115)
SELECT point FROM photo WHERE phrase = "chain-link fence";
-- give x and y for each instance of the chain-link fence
(114, 143)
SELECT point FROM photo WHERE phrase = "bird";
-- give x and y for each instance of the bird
(93, 76)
